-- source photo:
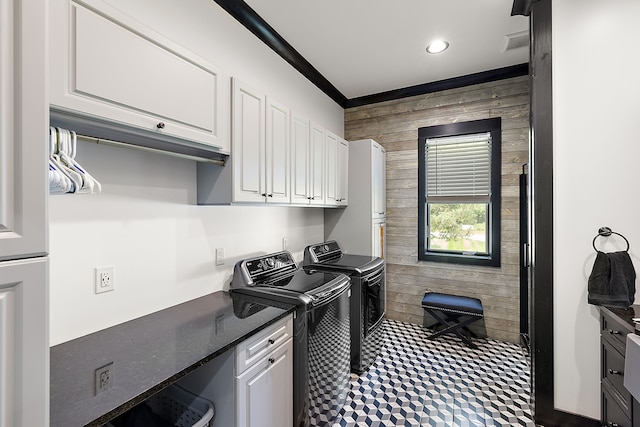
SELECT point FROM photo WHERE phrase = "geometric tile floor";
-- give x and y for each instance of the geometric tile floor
(440, 383)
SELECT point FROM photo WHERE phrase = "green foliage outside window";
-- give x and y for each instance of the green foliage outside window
(458, 227)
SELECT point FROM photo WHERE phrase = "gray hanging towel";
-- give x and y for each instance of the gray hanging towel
(612, 281)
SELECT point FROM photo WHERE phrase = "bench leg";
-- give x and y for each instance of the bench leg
(454, 327)
(453, 317)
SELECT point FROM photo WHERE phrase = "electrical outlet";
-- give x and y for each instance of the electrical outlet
(220, 256)
(284, 243)
(104, 279)
(104, 378)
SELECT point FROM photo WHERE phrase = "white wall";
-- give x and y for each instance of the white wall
(146, 222)
(596, 171)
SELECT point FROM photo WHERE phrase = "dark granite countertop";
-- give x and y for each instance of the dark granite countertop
(626, 315)
(148, 354)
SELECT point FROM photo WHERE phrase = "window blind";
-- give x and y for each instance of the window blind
(459, 168)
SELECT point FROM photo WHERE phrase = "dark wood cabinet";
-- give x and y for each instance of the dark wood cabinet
(619, 408)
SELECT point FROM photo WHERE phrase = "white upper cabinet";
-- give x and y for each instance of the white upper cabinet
(106, 65)
(343, 173)
(331, 170)
(319, 165)
(318, 144)
(300, 156)
(336, 171)
(277, 150)
(248, 144)
(23, 130)
(261, 171)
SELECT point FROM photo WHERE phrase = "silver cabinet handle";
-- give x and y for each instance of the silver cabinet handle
(612, 372)
(614, 332)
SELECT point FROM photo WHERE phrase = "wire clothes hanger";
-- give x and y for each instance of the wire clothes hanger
(606, 232)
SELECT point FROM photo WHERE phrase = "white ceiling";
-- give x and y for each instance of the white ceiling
(365, 47)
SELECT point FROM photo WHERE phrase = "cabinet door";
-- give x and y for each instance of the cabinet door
(24, 339)
(23, 129)
(318, 152)
(278, 172)
(300, 156)
(343, 172)
(331, 170)
(106, 64)
(379, 180)
(248, 144)
(265, 391)
(378, 238)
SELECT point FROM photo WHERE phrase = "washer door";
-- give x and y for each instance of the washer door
(329, 358)
(373, 287)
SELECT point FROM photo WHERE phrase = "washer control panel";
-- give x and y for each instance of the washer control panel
(271, 264)
(322, 251)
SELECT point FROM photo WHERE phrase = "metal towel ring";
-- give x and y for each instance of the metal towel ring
(606, 232)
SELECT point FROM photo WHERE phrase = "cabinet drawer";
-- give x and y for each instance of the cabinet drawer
(259, 345)
(613, 373)
(613, 414)
(614, 331)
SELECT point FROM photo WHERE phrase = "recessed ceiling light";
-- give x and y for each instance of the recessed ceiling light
(437, 46)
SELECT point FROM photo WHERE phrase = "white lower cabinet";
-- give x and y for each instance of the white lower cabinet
(264, 378)
(265, 390)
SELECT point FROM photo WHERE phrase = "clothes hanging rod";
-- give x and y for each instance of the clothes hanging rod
(147, 149)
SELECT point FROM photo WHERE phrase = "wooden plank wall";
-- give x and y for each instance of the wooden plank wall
(394, 124)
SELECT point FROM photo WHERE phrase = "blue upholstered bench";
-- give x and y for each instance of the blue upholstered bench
(453, 313)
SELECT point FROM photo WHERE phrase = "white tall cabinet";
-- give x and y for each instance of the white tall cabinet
(360, 228)
(24, 328)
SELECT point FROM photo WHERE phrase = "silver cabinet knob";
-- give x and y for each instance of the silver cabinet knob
(160, 125)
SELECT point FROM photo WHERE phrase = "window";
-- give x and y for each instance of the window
(459, 188)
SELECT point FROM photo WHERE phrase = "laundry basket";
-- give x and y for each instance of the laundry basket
(182, 408)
